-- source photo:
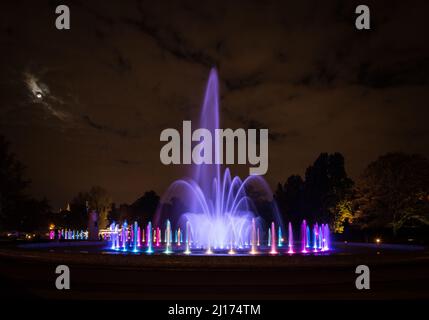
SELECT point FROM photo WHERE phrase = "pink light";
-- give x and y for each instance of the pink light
(273, 239)
(158, 236)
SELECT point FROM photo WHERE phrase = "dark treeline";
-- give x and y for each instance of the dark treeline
(391, 197)
(18, 211)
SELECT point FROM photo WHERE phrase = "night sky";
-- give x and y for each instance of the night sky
(129, 69)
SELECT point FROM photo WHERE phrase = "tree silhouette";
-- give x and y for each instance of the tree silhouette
(144, 208)
(17, 210)
(394, 192)
(315, 198)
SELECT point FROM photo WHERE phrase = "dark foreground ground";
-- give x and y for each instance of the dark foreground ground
(395, 274)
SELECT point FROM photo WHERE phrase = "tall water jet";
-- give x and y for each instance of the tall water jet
(269, 237)
(290, 238)
(217, 204)
(149, 238)
(168, 238)
(304, 236)
(273, 239)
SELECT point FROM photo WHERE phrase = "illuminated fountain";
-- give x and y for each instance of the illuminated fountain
(218, 214)
(130, 238)
(219, 210)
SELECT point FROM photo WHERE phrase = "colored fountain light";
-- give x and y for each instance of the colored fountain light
(290, 244)
(188, 238)
(135, 237)
(139, 237)
(273, 239)
(304, 236)
(179, 235)
(149, 238)
(253, 240)
(315, 236)
(124, 235)
(168, 238)
(307, 239)
(280, 237)
(158, 237)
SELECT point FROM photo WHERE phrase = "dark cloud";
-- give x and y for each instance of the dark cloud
(129, 162)
(168, 39)
(322, 75)
(401, 73)
(273, 135)
(245, 82)
(129, 69)
(120, 63)
(123, 133)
